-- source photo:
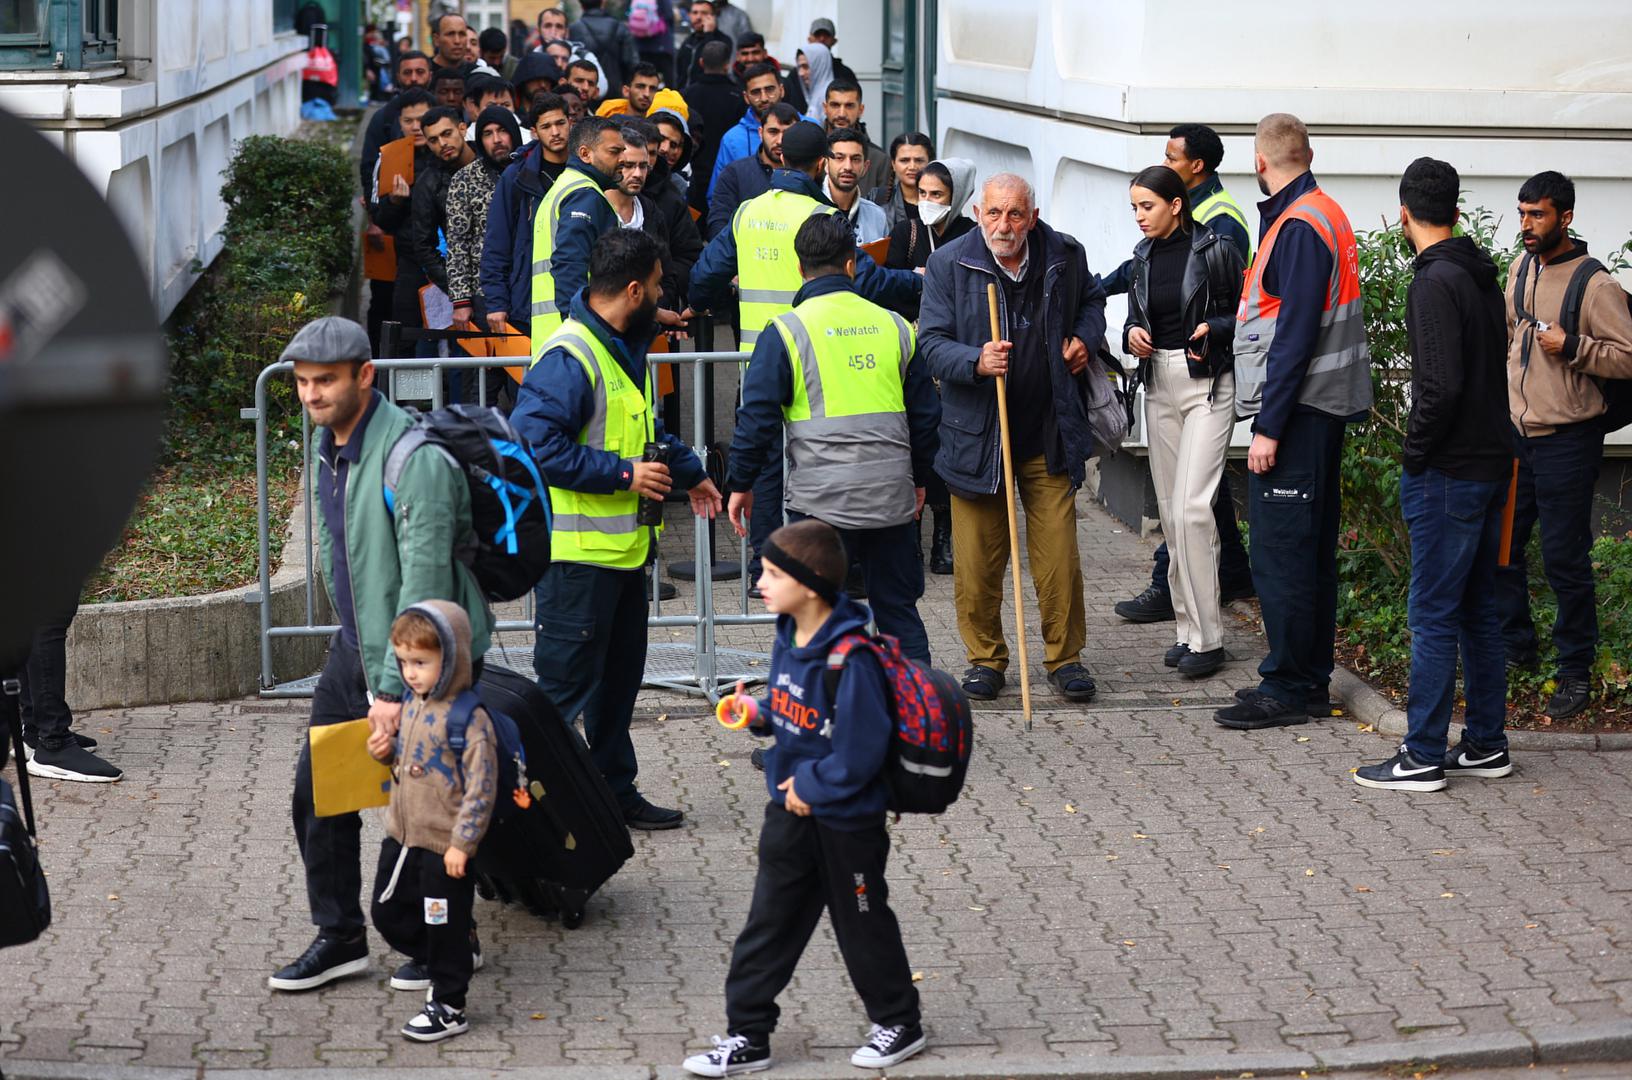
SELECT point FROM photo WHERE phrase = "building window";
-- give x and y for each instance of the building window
(63, 35)
(283, 16)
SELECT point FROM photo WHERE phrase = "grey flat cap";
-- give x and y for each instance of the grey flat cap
(329, 340)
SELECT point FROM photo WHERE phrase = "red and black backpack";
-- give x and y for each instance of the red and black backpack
(932, 729)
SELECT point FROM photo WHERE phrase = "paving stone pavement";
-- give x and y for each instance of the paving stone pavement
(1124, 887)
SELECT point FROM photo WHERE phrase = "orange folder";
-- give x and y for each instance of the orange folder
(878, 249)
(512, 343)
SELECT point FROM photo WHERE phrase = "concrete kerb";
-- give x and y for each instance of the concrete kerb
(1606, 1042)
(1369, 706)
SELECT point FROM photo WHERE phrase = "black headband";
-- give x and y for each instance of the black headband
(801, 573)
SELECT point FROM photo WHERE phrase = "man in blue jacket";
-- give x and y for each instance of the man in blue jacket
(586, 406)
(573, 215)
(507, 250)
(1052, 311)
(761, 88)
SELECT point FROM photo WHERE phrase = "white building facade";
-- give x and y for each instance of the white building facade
(151, 109)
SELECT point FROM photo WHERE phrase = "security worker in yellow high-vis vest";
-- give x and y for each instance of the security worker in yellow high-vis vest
(843, 377)
(572, 215)
(758, 251)
(586, 406)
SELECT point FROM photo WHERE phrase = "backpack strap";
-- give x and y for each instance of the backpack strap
(12, 690)
(1569, 316)
(397, 459)
(836, 657)
(459, 713)
(1523, 312)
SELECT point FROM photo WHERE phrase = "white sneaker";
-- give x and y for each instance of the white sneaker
(730, 1056)
(888, 1046)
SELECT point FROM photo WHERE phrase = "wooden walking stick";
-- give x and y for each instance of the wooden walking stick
(1010, 486)
(1504, 556)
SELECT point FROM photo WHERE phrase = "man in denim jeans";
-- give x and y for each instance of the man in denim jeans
(1457, 458)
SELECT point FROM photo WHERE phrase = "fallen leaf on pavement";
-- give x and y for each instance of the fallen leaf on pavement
(1070, 809)
(1309, 872)
(917, 976)
(1362, 888)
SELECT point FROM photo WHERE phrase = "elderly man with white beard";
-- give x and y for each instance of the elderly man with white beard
(1052, 313)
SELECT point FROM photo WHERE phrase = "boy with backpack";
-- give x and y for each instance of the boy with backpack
(823, 843)
(445, 782)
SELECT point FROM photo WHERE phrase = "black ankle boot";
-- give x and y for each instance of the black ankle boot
(940, 544)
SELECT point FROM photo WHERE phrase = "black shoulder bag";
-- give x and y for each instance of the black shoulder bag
(25, 904)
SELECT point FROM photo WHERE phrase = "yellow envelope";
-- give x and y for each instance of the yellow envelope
(345, 777)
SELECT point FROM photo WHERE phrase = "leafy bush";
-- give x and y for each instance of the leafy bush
(1374, 560)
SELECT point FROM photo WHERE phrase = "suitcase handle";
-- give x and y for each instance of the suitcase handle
(12, 691)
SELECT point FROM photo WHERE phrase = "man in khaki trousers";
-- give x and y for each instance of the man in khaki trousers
(1052, 313)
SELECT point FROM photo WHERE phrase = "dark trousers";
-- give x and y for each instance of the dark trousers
(331, 847)
(1557, 473)
(379, 309)
(893, 569)
(427, 917)
(590, 657)
(1456, 532)
(44, 679)
(767, 513)
(1233, 568)
(1293, 510)
(805, 866)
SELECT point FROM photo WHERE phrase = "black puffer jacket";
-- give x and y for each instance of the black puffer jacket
(1211, 290)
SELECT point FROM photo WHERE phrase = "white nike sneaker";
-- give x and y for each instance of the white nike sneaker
(1402, 772)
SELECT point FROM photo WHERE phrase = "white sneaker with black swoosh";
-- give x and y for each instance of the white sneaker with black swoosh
(1402, 772)
(1469, 760)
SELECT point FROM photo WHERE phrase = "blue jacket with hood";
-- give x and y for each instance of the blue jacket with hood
(834, 750)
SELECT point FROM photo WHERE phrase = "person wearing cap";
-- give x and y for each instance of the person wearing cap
(375, 562)
(823, 32)
(758, 250)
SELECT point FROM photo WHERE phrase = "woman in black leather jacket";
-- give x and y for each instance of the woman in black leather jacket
(1182, 294)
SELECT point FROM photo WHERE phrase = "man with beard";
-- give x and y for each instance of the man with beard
(643, 85)
(583, 77)
(750, 177)
(450, 34)
(1302, 372)
(571, 218)
(761, 89)
(1052, 313)
(665, 214)
(843, 108)
(507, 249)
(450, 151)
(375, 564)
(469, 195)
(846, 158)
(1557, 364)
(674, 147)
(586, 406)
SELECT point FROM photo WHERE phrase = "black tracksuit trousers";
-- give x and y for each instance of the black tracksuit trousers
(427, 917)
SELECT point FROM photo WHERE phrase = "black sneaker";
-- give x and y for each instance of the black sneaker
(730, 1056)
(411, 976)
(1236, 590)
(71, 762)
(1571, 697)
(1402, 772)
(1073, 682)
(982, 683)
(1319, 706)
(436, 1022)
(31, 743)
(1255, 709)
(325, 960)
(888, 1046)
(1467, 760)
(757, 758)
(1152, 605)
(648, 818)
(1196, 665)
(1524, 660)
(1173, 655)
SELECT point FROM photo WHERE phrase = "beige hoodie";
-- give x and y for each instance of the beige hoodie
(430, 807)
(1554, 389)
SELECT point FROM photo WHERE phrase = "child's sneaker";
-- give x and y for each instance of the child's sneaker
(435, 1023)
(411, 976)
(730, 1056)
(888, 1046)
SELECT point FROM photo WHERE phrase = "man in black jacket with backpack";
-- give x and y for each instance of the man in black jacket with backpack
(610, 40)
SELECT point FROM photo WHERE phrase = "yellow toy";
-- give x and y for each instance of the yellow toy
(737, 711)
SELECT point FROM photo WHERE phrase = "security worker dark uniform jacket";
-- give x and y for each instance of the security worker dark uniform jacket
(862, 419)
(573, 215)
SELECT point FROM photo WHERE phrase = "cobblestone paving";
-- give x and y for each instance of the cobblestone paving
(1126, 880)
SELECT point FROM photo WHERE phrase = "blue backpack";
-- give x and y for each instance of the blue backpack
(512, 794)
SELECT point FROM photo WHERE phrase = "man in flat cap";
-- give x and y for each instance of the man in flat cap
(376, 561)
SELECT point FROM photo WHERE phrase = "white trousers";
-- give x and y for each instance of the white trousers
(1188, 437)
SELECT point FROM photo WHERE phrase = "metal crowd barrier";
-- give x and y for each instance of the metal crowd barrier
(704, 667)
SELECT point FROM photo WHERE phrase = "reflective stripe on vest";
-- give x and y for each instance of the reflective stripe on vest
(849, 453)
(1218, 204)
(601, 529)
(767, 269)
(545, 311)
(1338, 379)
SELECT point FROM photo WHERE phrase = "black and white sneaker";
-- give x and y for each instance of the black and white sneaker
(1402, 772)
(325, 960)
(436, 1022)
(70, 761)
(732, 1055)
(411, 976)
(31, 743)
(1468, 760)
(888, 1046)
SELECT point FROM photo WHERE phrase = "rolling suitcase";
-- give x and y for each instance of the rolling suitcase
(552, 855)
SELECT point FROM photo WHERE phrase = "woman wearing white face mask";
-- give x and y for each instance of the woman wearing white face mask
(944, 190)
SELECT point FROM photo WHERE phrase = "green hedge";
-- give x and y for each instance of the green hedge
(1375, 548)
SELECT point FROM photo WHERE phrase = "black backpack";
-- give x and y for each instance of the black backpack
(1617, 392)
(25, 903)
(509, 501)
(512, 794)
